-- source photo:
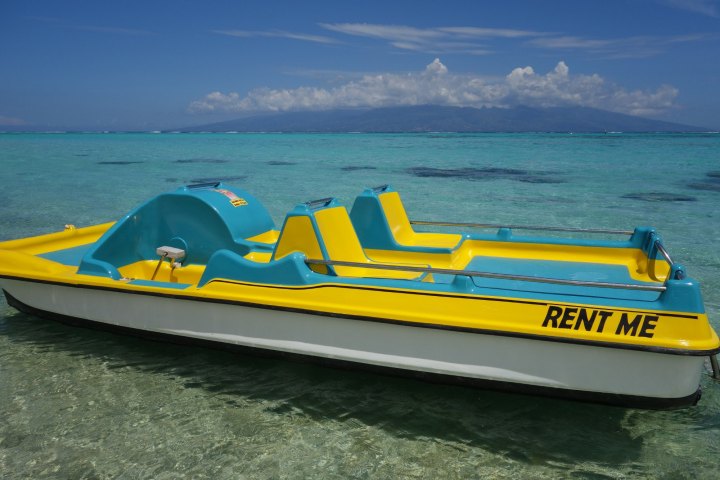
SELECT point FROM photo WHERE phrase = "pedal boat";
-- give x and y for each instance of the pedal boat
(609, 321)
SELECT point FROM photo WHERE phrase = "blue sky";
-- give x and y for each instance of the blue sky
(163, 64)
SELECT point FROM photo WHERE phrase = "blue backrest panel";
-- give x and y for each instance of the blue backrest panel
(198, 220)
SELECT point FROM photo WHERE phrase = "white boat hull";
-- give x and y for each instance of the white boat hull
(610, 375)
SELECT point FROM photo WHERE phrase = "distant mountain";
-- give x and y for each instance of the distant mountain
(431, 118)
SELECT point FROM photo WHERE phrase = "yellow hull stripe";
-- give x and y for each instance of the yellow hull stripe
(504, 315)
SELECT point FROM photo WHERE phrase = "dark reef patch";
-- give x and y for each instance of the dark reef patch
(487, 173)
(540, 179)
(280, 162)
(355, 168)
(449, 135)
(118, 162)
(708, 186)
(711, 182)
(200, 160)
(659, 197)
(218, 179)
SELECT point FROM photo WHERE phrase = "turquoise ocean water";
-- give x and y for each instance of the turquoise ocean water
(77, 403)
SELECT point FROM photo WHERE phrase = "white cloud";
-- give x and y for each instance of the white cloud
(489, 32)
(626, 47)
(430, 40)
(436, 67)
(436, 85)
(387, 32)
(483, 41)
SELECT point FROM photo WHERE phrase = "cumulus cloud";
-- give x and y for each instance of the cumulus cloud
(436, 85)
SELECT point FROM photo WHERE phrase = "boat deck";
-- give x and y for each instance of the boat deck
(522, 267)
(560, 270)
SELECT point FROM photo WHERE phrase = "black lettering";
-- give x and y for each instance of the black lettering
(584, 320)
(626, 325)
(568, 317)
(552, 315)
(604, 315)
(649, 324)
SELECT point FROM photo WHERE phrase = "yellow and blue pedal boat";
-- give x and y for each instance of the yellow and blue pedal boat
(610, 321)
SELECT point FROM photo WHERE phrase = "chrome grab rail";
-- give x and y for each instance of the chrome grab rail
(657, 245)
(663, 252)
(471, 273)
(320, 202)
(715, 367)
(523, 227)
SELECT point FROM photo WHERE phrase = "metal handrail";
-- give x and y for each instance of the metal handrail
(661, 248)
(319, 202)
(523, 227)
(472, 273)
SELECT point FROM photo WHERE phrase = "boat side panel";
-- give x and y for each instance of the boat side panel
(492, 358)
(455, 305)
(562, 320)
(609, 399)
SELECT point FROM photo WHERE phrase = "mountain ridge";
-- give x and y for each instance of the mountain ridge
(432, 118)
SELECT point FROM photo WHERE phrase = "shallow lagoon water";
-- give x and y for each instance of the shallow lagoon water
(77, 403)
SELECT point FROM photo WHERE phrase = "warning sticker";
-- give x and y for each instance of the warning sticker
(235, 201)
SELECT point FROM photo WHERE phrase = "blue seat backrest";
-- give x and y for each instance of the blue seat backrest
(381, 223)
(198, 220)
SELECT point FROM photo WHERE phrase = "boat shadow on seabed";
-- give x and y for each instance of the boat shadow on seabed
(526, 429)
